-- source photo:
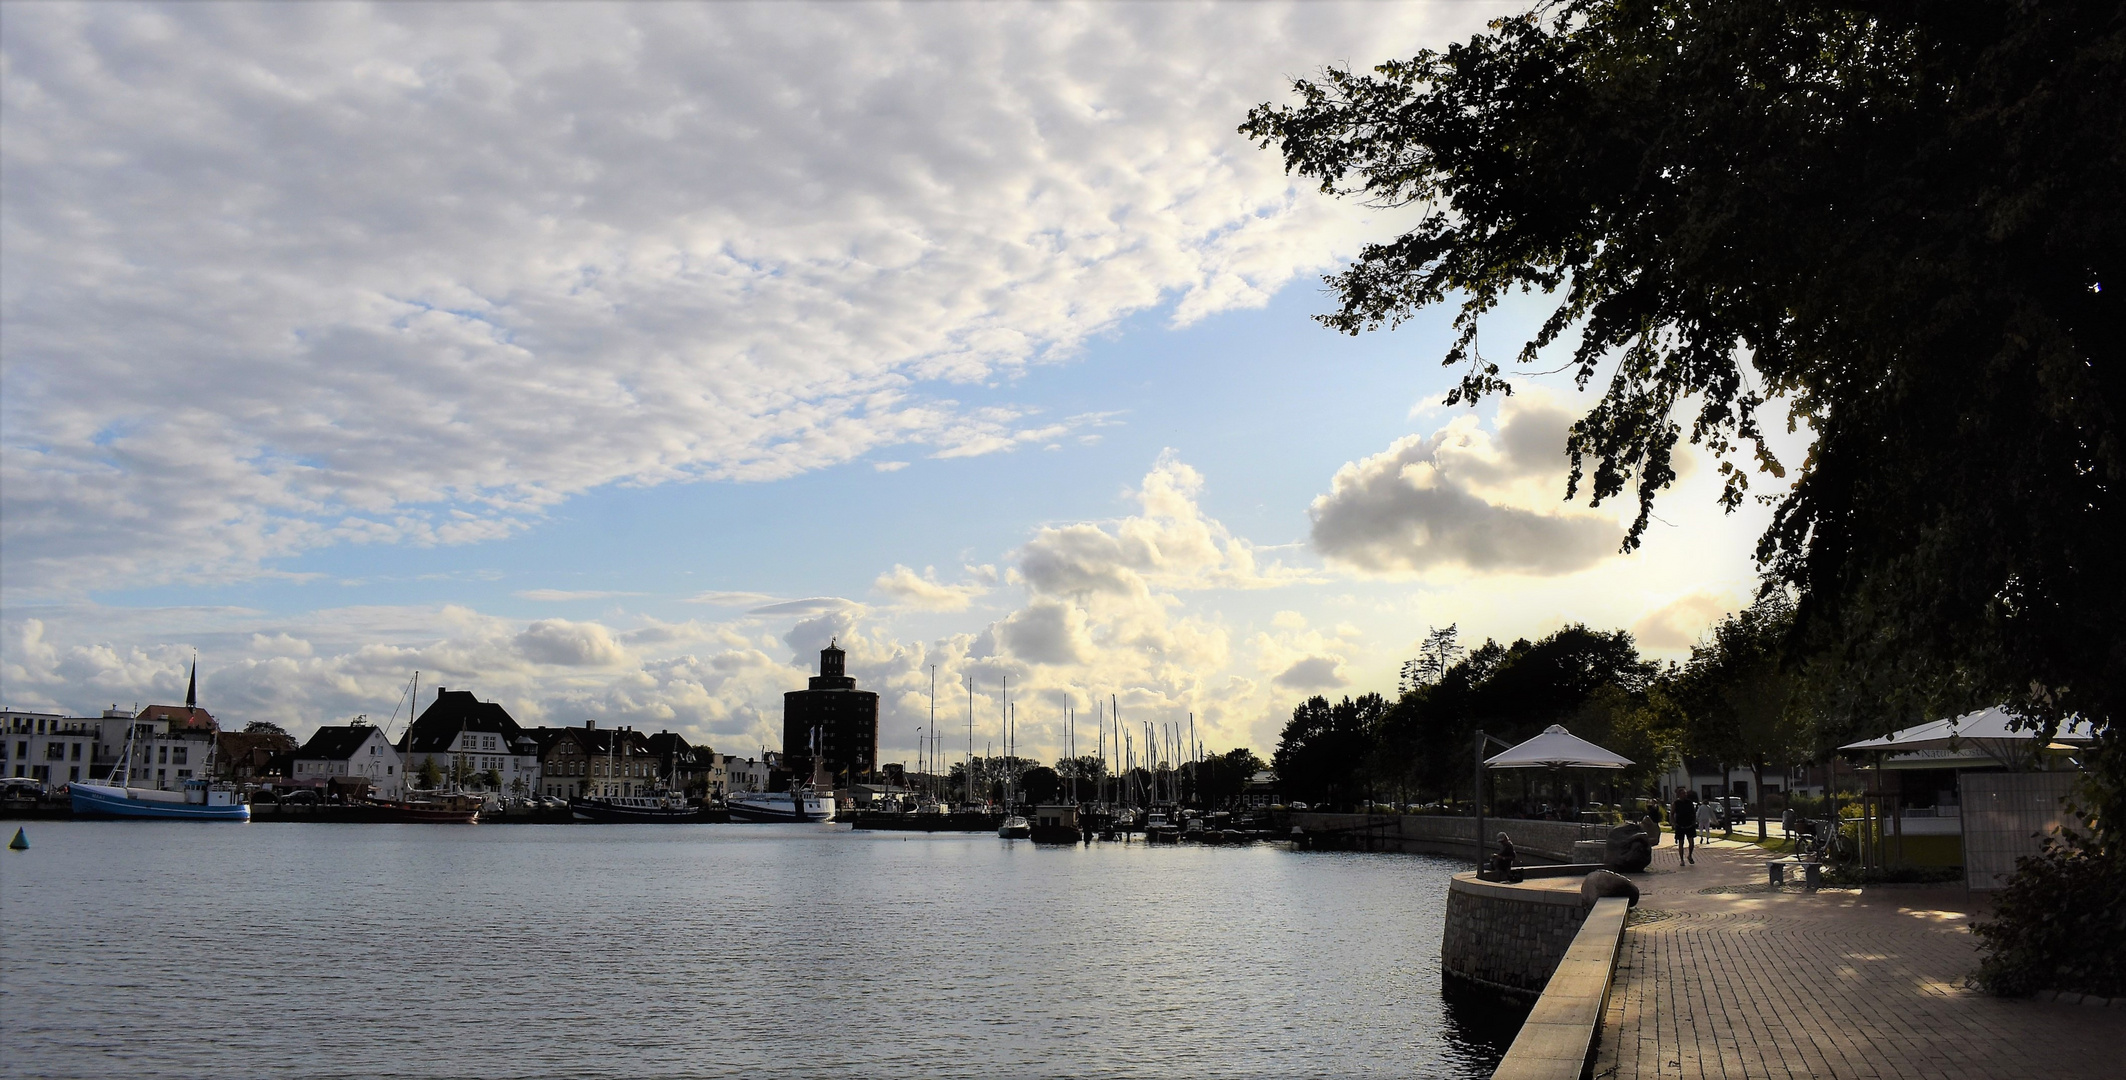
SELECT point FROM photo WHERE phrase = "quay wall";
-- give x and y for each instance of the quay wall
(1438, 834)
(1508, 938)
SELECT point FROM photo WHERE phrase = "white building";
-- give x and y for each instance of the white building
(48, 747)
(350, 752)
(745, 774)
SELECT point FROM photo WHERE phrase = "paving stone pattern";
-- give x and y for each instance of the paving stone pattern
(1721, 978)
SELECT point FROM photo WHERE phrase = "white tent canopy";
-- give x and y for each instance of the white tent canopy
(1556, 748)
(1990, 731)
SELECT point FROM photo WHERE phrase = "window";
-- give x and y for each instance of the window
(177, 756)
(77, 751)
(55, 751)
(164, 757)
(73, 772)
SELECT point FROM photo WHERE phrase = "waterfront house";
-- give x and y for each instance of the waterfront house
(605, 762)
(475, 745)
(745, 774)
(47, 747)
(696, 771)
(354, 758)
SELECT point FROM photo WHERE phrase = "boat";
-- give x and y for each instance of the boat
(797, 804)
(197, 800)
(1015, 828)
(1055, 825)
(662, 808)
(434, 809)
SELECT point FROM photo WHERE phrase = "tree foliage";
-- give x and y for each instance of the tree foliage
(1905, 219)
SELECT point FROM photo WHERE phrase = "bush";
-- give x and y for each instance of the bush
(2059, 924)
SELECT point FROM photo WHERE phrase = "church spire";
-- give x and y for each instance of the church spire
(192, 687)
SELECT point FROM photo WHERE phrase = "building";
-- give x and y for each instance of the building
(695, 771)
(830, 729)
(470, 744)
(259, 754)
(354, 758)
(47, 747)
(745, 774)
(588, 761)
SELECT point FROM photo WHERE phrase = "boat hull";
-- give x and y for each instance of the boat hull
(780, 808)
(97, 800)
(600, 812)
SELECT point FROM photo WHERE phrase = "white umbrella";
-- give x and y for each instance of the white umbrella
(1557, 748)
(1990, 731)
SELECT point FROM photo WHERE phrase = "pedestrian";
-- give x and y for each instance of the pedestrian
(1707, 818)
(1684, 816)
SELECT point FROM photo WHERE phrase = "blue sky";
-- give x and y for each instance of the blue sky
(608, 360)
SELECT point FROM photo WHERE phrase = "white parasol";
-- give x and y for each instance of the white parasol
(1557, 748)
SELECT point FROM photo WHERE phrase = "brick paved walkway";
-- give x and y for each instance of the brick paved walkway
(1744, 982)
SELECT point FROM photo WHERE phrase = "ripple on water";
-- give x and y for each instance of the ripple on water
(171, 949)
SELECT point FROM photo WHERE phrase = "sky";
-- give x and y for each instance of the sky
(608, 361)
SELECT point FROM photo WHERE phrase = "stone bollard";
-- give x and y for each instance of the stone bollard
(1603, 883)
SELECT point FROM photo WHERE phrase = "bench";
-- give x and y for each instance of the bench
(1811, 872)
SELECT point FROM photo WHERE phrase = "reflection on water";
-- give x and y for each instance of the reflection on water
(181, 949)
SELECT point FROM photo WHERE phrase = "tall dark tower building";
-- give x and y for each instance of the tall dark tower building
(831, 721)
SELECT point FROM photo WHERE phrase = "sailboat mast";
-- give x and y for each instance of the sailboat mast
(970, 740)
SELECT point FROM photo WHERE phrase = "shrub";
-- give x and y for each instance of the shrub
(2060, 923)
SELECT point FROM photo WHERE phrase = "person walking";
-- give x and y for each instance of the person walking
(1683, 817)
(1707, 818)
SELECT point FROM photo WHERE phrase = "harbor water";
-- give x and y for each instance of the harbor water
(177, 949)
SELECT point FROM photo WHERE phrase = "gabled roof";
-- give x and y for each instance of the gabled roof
(336, 742)
(452, 712)
(180, 717)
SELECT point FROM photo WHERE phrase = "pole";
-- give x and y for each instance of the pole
(970, 740)
(1478, 793)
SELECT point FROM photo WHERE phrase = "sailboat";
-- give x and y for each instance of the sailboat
(664, 806)
(1014, 827)
(198, 800)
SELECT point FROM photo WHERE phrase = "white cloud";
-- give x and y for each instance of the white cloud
(283, 277)
(569, 644)
(925, 591)
(1464, 497)
(1678, 624)
(565, 595)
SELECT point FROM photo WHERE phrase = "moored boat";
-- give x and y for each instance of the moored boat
(1055, 825)
(641, 809)
(198, 801)
(1015, 828)
(800, 805)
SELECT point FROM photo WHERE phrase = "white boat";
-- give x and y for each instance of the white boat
(198, 800)
(793, 805)
(1015, 828)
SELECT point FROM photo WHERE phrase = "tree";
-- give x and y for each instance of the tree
(1438, 653)
(490, 779)
(429, 775)
(1741, 699)
(1904, 219)
(266, 727)
(1221, 779)
(1039, 784)
(1324, 748)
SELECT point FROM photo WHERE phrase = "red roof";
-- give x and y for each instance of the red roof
(180, 717)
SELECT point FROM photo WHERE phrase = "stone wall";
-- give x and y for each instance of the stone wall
(1509, 938)
(1537, 841)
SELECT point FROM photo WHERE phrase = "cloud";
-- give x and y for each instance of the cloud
(925, 591)
(565, 595)
(1678, 624)
(1314, 673)
(811, 605)
(570, 644)
(1171, 544)
(1467, 498)
(731, 599)
(291, 277)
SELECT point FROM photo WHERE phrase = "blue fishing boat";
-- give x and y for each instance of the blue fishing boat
(197, 800)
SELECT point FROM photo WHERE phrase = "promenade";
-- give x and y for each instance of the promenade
(1723, 978)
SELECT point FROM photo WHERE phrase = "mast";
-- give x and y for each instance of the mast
(922, 743)
(970, 740)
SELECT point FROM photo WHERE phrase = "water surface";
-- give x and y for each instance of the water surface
(187, 949)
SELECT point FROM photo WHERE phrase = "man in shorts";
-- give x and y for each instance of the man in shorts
(1683, 817)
